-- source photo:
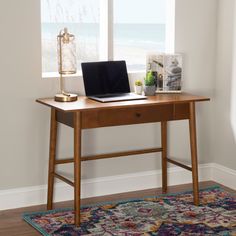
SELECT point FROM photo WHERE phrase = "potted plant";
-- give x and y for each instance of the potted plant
(149, 84)
(138, 87)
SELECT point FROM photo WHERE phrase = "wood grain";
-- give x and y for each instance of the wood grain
(110, 155)
(179, 164)
(77, 165)
(181, 111)
(52, 158)
(193, 147)
(164, 155)
(86, 113)
(83, 103)
(126, 116)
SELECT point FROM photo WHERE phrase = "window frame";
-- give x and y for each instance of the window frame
(106, 35)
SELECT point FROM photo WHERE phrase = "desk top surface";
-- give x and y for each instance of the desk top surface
(84, 103)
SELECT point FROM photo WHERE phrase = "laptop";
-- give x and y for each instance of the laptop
(107, 81)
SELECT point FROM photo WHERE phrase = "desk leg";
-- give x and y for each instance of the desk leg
(52, 157)
(77, 165)
(164, 155)
(193, 145)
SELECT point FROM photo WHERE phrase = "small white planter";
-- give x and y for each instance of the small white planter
(150, 90)
(138, 89)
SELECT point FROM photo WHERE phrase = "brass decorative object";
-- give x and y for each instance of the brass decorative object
(66, 63)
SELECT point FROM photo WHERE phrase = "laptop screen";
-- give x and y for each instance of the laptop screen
(105, 77)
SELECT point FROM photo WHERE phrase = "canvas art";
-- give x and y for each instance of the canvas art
(168, 71)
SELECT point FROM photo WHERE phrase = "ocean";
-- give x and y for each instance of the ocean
(131, 42)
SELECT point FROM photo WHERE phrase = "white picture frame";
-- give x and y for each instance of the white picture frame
(168, 70)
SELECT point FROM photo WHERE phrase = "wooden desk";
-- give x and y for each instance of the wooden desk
(87, 114)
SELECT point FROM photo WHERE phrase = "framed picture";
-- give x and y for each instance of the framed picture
(168, 71)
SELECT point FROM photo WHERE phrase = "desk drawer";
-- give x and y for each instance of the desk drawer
(181, 111)
(126, 116)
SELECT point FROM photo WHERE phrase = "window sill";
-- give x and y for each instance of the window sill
(52, 75)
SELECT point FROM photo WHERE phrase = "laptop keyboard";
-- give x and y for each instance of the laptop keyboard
(112, 95)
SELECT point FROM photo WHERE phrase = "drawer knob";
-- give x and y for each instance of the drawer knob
(137, 114)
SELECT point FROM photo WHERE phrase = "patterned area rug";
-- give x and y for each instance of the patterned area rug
(159, 215)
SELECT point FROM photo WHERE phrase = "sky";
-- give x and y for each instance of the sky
(139, 11)
(125, 11)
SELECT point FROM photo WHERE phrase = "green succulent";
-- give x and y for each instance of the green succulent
(149, 80)
(138, 83)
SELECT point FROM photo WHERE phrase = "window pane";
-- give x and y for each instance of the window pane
(139, 27)
(81, 17)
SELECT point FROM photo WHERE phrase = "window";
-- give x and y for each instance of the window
(139, 27)
(81, 17)
(108, 29)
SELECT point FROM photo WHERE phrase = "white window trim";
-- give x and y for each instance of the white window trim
(106, 30)
(78, 75)
(170, 26)
(106, 35)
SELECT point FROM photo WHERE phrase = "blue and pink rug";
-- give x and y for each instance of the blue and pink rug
(171, 214)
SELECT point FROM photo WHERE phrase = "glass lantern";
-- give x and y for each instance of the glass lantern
(66, 51)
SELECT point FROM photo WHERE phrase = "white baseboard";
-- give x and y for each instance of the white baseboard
(224, 175)
(29, 196)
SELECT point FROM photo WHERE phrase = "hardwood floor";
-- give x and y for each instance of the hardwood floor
(11, 222)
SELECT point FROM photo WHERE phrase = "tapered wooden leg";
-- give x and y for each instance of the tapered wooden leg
(77, 165)
(193, 145)
(52, 157)
(164, 155)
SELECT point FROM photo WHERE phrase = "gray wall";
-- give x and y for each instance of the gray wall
(224, 122)
(24, 125)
